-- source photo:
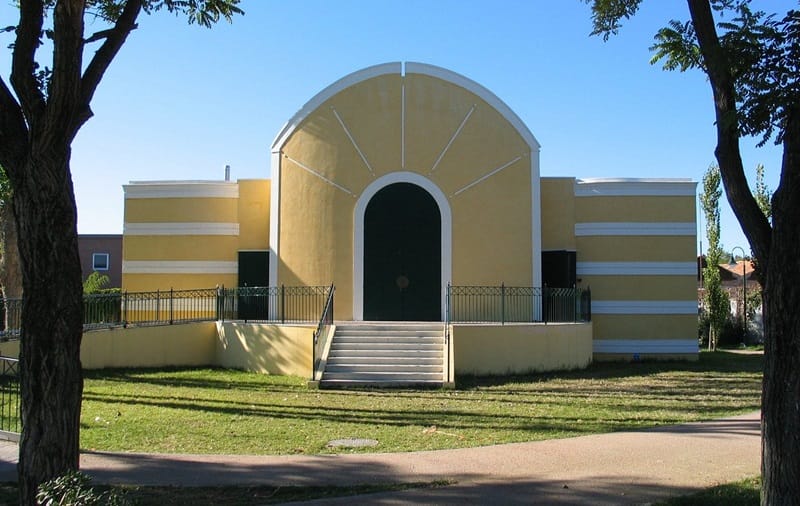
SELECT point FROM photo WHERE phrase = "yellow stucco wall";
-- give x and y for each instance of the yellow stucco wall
(153, 282)
(517, 348)
(636, 250)
(322, 174)
(253, 213)
(181, 209)
(203, 235)
(264, 348)
(558, 213)
(190, 344)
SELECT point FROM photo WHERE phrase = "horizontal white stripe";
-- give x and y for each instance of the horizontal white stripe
(181, 189)
(624, 228)
(179, 267)
(181, 228)
(635, 187)
(636, 268)
(644, 307)
(641, 346)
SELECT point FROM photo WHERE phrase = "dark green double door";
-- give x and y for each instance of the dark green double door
(402, 255)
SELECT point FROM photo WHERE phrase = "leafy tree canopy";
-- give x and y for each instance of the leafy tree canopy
(762, 51)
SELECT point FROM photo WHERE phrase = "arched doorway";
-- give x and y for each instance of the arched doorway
(402, 255)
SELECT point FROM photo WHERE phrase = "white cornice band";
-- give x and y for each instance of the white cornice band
(623, 187)
(635, 229)
(179, 267)
(644, 307)
(181, 228)
(636, 268)
(646, 346)
(181, 189)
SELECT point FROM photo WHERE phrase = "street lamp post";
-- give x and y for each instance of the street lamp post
(744, 285)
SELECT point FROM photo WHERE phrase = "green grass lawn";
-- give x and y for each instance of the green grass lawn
(225, 411)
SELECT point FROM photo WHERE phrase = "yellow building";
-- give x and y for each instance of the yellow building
(401, 179)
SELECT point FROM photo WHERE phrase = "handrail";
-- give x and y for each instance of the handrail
(447, 335)
(325, 321)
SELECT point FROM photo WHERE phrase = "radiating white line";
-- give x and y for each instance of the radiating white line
(453, 138)
(487, 176)
(353, 141)
(312, 171)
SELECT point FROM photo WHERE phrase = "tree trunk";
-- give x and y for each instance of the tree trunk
(780, 411)
(10, 270)
(52, 315)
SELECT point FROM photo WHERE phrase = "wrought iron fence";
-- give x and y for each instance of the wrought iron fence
(506, 304)
(284, 304)
(10, 419)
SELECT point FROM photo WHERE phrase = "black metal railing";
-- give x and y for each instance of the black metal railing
(325, 322)
(10, 419)
(515, 304)
(273, 304)
(165, 307)
(278, 304)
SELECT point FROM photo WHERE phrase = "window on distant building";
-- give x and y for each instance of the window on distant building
(100, 261)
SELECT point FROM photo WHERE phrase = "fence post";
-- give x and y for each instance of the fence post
(125, 309)
(447, 304)
(171, 302)
(283, 303)
(502, 303)
(545, 302)
(588, 303)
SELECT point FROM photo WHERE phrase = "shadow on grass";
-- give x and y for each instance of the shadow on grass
(708, 362)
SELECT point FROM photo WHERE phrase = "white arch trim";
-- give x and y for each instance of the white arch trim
(410, 68)
(320, 98)
(398, 68)
(358, 233)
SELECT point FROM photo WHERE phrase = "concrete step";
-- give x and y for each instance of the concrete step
(385, 354)
(383, 376)
(417, 359)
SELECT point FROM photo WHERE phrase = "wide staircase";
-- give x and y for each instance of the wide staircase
(392, 354)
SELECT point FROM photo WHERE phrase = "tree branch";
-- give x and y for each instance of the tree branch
(23, 63)
(105, 55)
(744, 205)
(64, 94)
(13, 130)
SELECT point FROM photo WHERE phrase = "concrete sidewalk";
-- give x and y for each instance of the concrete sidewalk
(635, 467)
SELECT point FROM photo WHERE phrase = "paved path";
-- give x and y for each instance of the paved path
(634, 467)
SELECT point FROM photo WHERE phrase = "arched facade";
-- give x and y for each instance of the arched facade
(475, 167)
(411, 123)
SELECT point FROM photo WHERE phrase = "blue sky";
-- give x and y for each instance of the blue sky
(181, 102)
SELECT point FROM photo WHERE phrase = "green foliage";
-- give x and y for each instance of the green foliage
(5, 188)
(95, 283)
(763, 53)
(762, 193)
(607, 15)
(716, 298)
(74, 489)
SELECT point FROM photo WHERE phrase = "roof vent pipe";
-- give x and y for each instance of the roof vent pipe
(227, 173)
